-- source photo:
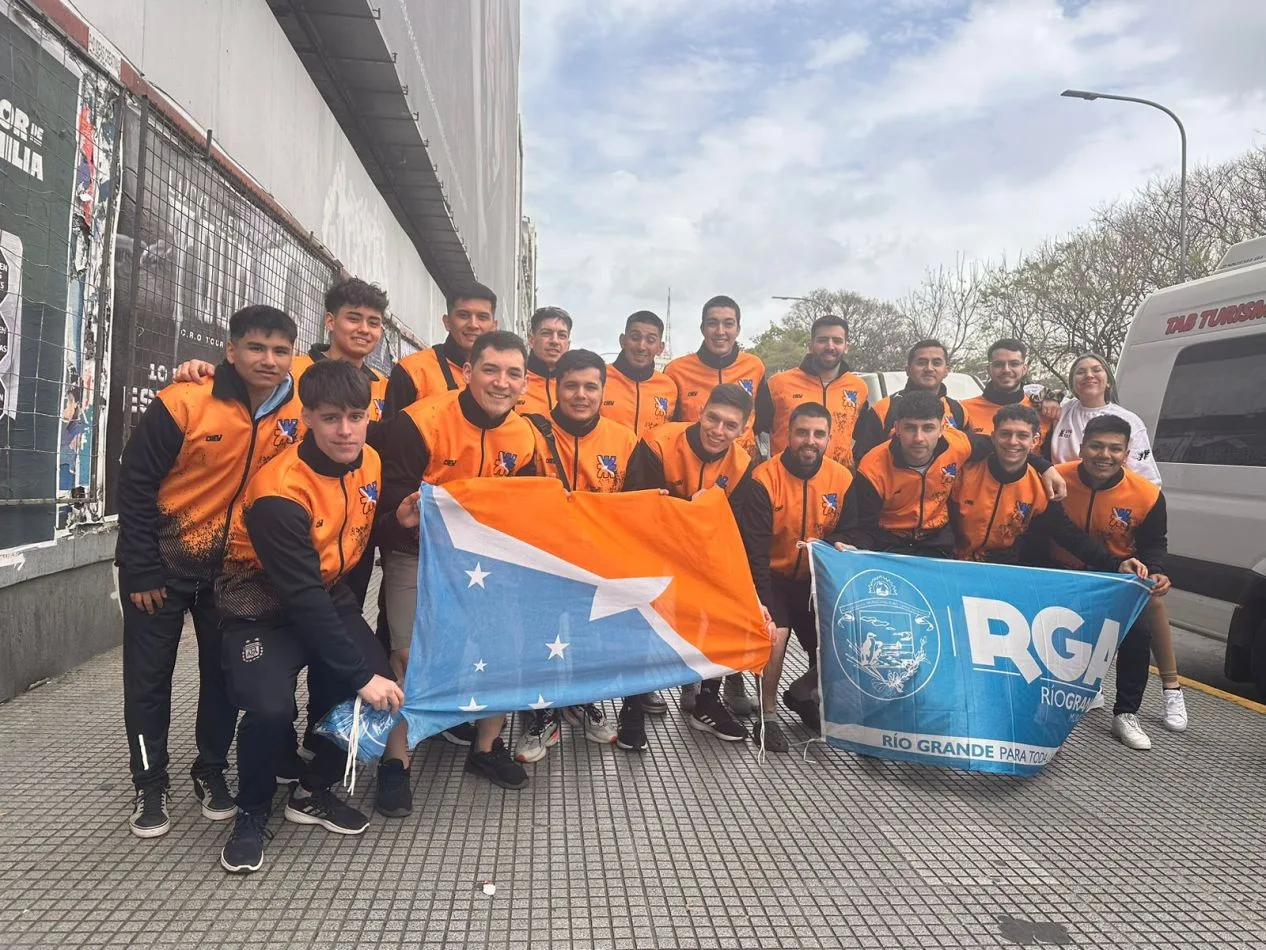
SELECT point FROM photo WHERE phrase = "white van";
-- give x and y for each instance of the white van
(958, 386)
(1194, 369)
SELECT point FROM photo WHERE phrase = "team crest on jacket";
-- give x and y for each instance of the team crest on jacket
(830, 504)
(950, 472)
(505, 463)
(748, 386)
(850, 396)
(1122, 518)
(661, 406)
(380, 405)
(369, 497)
(287, 431)
(608, 468)
(1023, 509)
(723, 480)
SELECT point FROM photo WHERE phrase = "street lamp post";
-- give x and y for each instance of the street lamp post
(1182, 183)
(776, 297)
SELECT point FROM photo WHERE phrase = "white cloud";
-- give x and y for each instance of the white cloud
(824, 54)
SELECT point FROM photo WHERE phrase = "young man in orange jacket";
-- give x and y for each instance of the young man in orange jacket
(927, 366)
(637, 394)
(549, 337)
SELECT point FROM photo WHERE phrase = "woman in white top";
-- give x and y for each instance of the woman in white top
(1093, 391)
(1093, 388)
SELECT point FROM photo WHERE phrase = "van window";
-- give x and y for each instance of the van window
(1214, 411)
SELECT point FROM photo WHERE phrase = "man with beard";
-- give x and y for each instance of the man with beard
(927, 365)
(1008, 367)
(548, 339)
(797, 496)
(636, 394)
(824, 378)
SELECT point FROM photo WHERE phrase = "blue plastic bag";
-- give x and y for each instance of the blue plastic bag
(373, 729)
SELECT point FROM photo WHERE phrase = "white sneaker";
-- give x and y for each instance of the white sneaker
(1175, 710)
(1125, 726)
(593, 720)
(1097, 702)
(542, 732)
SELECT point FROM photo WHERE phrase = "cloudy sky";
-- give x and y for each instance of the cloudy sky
(762, 147)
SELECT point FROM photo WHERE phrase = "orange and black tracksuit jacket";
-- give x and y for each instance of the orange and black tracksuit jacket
(902, 509)
(428, 372)
(541, 393)
(875, 425)
(441, 440)
(1005, 518)
(377, 387)
(672, 457)
(697, 374)
(304, 523)
(845, 397)
(639, 399)
(589, 456)
(981, 409)
(787, 504)
(184, 470)
(1126, 514)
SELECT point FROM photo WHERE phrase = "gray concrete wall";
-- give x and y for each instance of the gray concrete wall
(58, 608)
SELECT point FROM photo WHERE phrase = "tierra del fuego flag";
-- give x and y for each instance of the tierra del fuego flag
(533, 598)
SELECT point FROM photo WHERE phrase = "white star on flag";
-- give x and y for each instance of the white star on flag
(557, 647)
(472, 706)
(541, 703)
(480, 666)
(477, 576)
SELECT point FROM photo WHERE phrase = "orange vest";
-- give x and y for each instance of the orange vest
(340, 511)
(843, 397)
(423, 367)
(684, 471)
(803, 509)
(916, 504)
(695, 380)
(980, 412)
(639, 405)
(223, 447)
(596, 461)
(377, 386)
(460, 449)
(994, 515)
(1108, 515)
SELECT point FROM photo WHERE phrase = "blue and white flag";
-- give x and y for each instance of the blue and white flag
(978, 666)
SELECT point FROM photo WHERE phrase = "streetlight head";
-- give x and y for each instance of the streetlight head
(1080, 94)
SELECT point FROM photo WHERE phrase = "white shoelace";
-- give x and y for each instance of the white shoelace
(353, 746)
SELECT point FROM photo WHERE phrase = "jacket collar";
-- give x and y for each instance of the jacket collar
(807, 367)
(571, 427)
(1112, 482)
(537, 365)
(708, 358)
(475, 414)
(696, 446)
(321, 351)
(321, 463)
(899, 458)
(1000, 397)
(454, 353)
(909, 387)
(1001, 475)
(632, 372)
(228, 385)
(792, 464)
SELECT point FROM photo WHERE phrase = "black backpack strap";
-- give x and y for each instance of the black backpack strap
(546, 428)
(444, 367)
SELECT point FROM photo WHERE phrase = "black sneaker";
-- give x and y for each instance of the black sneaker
(497, 766)
(632, 732)
(326, 809)
(775, 738)
(244, 851)
(806, 709)
(395, 797)
(211, 789)
(655, 703)
(150, 818)
(462, 734)
(710, 715)
(289, 767)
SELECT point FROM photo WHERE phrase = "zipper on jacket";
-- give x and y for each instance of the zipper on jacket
(482, 434)
(984, 542)
(1090, 509)
(342, 563)
(241, 486)
(804, 522)
(923, 488)
(637, 403)
(575, 460)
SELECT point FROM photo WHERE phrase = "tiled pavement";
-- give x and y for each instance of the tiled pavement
(694, 844)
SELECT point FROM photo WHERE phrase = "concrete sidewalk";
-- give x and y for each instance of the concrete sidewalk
(694, 844)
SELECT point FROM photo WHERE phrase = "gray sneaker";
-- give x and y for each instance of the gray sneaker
(734, 691)
(775, 738)
(689, 693)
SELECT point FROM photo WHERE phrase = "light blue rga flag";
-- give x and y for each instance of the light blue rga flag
(977, 666)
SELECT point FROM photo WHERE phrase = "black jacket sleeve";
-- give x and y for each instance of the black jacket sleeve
(859, 519)
(868, 432)
(280, 531)
(756, 526)
(1054, 525)
(646, 470)
(1151, 542)
(147, 458)
(404, 459)
(401, 393)
(764, 408)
